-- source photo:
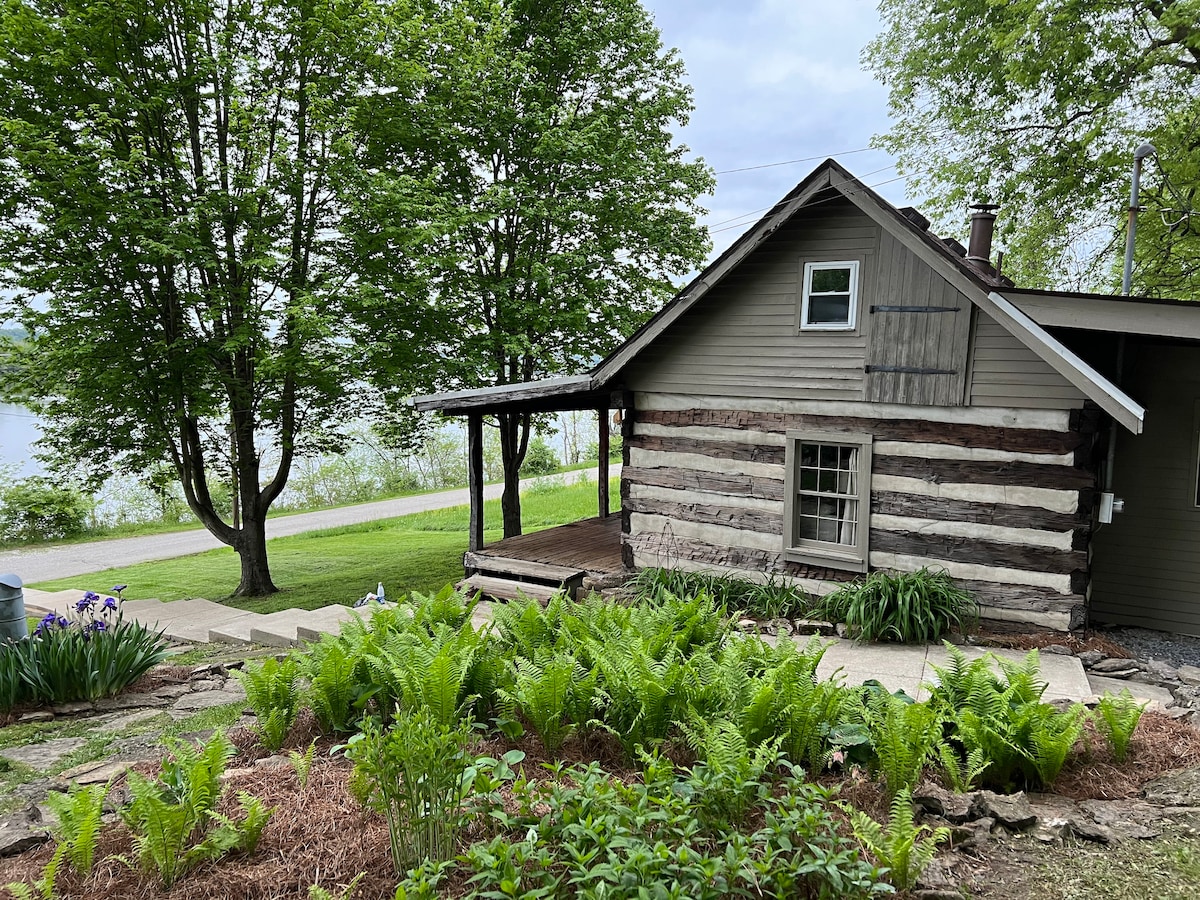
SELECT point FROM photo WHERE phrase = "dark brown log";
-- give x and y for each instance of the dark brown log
(711, 514)
(1020, 597)
(712, 482)
(670, 548)
(1009, 474)
(714, 449)
(475, 480)
(1014, 440)
(979, 552)
(945, 509)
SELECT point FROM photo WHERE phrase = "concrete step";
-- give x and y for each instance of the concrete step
(312, 625)
(189, 620)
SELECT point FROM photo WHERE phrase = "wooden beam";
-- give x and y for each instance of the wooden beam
(602, 478)
(1066, 362)
(475, 479)
(1120, 315)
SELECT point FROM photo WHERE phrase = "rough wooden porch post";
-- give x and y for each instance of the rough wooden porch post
(475, 478)
(602, 476)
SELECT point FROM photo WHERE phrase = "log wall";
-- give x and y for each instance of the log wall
(1002, 499)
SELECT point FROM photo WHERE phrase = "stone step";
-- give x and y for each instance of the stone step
(189, 620)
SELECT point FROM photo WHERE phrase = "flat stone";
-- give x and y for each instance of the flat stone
(173, 691)
(1126, 818)
(131, 701)
(1057, 650)
(1092, 831)
(129, 720)
(1162, 669)
(194, 702)
(96, 772)
(782, 626)
(1187, 695)
(813, 626)
(938, 801)
(937, 894)
(747, 625)
(41, 715)
(272, 762)
(1010, 810)
(1189, 675)
(1113, 666)
(1090, 657)
(74, 708)
(16, 839)
(45, 755)
(970, 835)
(1175, 789)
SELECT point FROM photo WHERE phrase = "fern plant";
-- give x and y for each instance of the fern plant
(302, 763)
(1117, 717)
(729, 780)
(338, 692)
(78, 814)
(273, 692)
(904, 847)
(903, 737)
(553, 695)
(961, 773)
(174, 820)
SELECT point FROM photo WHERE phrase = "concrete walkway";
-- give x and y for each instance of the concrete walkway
(897, 667)
(35, 564)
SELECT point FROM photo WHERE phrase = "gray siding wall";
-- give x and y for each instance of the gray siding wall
(1007, 373)
(1146, 564)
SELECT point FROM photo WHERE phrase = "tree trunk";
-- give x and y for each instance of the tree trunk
(251, 547)
(514, 441)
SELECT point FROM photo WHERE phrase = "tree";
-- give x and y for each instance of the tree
(168, 219)
(1039, 105)
(534, 204)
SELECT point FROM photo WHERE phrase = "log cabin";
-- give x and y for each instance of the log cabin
(842, 391)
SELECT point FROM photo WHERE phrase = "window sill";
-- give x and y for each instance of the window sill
(813, 556)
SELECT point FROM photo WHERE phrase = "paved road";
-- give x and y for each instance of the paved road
(68, 560)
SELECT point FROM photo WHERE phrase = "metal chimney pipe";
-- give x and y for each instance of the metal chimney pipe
(1134, 208)
(983, 224)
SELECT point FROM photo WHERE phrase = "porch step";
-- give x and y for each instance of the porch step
(566, 577)
(507, 589)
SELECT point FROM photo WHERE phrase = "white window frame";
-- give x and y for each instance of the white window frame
(852, 305)
(848, 557)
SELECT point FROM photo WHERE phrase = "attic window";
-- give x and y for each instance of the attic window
(830, 296)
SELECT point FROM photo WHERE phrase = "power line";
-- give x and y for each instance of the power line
(792, 162)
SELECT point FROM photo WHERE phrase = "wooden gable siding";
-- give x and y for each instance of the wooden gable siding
(1146, 564)
(933, 341)
(999, 498)
(1004, 372)
(741, 339)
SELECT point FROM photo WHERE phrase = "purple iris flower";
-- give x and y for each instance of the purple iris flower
(49, 618)
(91, 597)
(110, 603)
(62, 621)
(98, 625)
(85, 604)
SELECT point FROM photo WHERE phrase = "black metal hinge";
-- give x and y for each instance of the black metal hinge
(909, 370)
(914, 309)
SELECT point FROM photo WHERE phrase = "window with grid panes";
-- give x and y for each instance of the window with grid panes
(828, 499)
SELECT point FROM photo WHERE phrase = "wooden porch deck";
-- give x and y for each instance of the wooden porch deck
(589, 545)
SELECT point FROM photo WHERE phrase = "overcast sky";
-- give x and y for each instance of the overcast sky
(777, 80)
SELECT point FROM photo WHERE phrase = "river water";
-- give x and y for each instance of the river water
(19, 429)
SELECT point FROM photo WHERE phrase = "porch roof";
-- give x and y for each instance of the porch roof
(547, 395)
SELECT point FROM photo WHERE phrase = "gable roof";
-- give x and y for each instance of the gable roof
(911, 231)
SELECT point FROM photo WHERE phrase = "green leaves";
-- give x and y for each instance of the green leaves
(906, 607)
(903, 847)
(274, 695)
(1117, 717)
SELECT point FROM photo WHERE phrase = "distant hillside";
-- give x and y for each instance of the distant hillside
(17, 333)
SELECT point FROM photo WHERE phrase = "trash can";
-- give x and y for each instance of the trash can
(12, 609)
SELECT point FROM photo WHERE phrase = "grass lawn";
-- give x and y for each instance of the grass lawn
(421, 552)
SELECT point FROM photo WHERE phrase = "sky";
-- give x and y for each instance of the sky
(777, 80)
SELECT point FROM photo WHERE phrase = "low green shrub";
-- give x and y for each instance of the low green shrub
(904, 848)
(173, 818)
(39, 508)
(906, 607)
(90, 654)
(998, 725)
(414, 774)
(273, 692)
(1116, 718)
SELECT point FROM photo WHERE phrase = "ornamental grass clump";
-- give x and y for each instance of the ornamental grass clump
(905, 607)
(91, 653)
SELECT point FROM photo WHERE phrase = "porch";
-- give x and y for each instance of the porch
(543, 562)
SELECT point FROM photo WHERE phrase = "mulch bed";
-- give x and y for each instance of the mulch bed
(1075, 642)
